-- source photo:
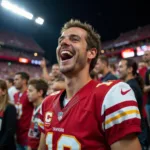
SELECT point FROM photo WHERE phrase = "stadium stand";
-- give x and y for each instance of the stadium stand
(8, 69)
(139, 34)
(14, 46)
(19, 41)
(133, 39)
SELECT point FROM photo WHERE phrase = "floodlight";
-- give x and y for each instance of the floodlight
(39, 20)
(16, 9)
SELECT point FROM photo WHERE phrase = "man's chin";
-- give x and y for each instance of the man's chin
(66, 70)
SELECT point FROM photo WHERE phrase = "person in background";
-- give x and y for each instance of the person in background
(128, 73)
(94, 75)
(102, 67)
(37, 89)
(146, 58)
(11, 89)
(24, 109)
(142, 68)
(113, 70)
(54, 74)
(58, 85)
(7, 120)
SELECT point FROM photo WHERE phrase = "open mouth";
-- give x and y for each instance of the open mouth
(66, 55)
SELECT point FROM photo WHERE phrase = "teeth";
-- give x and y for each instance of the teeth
(66, 52)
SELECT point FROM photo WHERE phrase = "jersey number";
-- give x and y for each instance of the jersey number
(19, 110)
(65, 141)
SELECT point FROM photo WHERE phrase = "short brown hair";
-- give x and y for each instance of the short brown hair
(92, 39)
(39, 84)
(104, 59)
(24, 76)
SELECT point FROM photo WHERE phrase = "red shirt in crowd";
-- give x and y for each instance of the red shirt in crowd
(24, 114)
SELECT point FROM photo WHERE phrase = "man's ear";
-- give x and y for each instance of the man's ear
(40, 92)
(92, 53)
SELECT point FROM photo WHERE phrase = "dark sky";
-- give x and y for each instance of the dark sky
(109, 18)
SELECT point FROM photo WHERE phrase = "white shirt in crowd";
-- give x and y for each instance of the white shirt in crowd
(11, 91)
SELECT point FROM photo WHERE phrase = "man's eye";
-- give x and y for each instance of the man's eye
(75, 39)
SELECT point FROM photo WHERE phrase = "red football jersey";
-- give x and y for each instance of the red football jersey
(34, 132)
(98, 115)
(24, 114)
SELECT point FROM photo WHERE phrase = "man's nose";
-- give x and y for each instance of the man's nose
(65, 42)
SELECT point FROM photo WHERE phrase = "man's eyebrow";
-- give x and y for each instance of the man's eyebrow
(71, 35)
(75, 35)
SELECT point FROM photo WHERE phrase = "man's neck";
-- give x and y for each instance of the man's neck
(24, 88)
(106, 70)
(37, 102)
(129, 77)
(76, 82)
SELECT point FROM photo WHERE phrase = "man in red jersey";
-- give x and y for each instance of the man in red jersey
(24, 109)
(88, 115)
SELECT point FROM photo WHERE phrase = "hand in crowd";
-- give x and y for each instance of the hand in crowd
(43, 63)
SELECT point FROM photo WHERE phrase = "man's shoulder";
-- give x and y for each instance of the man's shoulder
(109, 76)
(13, 89)
(107, 84)
(112, 77)
(16, 94)
(110, 88)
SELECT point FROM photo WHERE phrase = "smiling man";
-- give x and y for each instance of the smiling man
(88, 115)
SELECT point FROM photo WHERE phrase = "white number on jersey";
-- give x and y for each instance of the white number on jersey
(65, 141)
(19, 110)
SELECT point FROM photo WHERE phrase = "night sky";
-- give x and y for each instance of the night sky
(108, 17)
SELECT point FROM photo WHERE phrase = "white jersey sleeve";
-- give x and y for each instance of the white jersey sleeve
(120, 112)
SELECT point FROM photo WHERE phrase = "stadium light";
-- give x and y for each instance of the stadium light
(39, 20)
(23, 60)
(14, 8)
(35, 54)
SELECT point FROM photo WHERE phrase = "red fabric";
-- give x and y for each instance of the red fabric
(1, 118)
(1, 114)
(142, 72)
(144, 104)
(119, 131)
(80, 121)
(24, 112)
(119, 106)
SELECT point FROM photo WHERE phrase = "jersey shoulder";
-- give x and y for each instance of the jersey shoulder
(51, 98)
(16, 94)
(115, 88)
(106, 86)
